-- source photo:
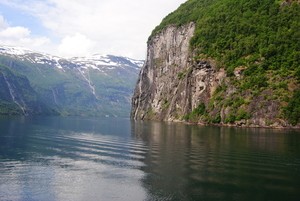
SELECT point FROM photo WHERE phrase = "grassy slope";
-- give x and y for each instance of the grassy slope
(23, 93)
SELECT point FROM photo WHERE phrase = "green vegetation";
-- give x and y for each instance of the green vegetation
(67, 92)
(243, 33)
(189, 11)
(292, 111)
(166, 104)
(241, 114)
(15, 88)
(259, 37)
(200, 112)
(196, 113)
(180, 75)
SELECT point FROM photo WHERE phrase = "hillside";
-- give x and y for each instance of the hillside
(17, 97)
(100, 85)
(241, 67)
(239, 33)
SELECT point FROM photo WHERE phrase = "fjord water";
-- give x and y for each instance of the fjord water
(86, 158)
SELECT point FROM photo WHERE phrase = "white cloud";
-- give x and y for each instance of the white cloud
(19, 36)
(116, 26)
(40, 41)
(14, 32)
(76, 45)
(3, 23)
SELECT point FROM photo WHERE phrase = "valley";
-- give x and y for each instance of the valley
(99, 85)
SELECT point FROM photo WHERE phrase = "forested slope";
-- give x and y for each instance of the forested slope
(256, 43)
(242, 32)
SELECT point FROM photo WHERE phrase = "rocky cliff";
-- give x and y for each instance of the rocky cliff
(159, 90)
(174, 85)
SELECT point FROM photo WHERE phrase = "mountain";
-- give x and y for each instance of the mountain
(17, 96)
(223, 62)
(99, 85)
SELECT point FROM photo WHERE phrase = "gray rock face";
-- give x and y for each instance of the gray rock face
(171, 84)
(174, 86)
(167, 56)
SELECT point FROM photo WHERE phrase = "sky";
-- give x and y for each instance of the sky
(82, 27)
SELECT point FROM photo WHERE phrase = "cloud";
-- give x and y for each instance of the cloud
(3, 23)
(14, 32)
(19, 36)
(76, 45)
(114, 26)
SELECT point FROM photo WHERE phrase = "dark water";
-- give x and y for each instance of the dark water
(82, 158)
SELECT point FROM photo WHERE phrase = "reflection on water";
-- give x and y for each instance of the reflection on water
(69, 158)
(189, 162)
(82, 158)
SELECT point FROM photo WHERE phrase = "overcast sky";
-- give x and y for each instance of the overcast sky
(82, 27)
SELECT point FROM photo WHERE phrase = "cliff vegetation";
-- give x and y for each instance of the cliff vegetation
(257, 45)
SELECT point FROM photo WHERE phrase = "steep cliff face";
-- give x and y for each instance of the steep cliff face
(171, 84)
(167, 56)
(174, 86)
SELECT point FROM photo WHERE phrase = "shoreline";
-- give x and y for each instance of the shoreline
(224, 125)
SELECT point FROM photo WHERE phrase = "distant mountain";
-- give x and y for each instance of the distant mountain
(17, 96)
(97, 61)
(99, 85)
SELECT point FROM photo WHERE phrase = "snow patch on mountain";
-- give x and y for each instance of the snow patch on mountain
(14, 50)
(101, 62)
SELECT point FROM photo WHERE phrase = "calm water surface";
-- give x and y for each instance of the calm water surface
(84, 158)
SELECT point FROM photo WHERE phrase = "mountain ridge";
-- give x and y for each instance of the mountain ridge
(99, 85)
(39, 57)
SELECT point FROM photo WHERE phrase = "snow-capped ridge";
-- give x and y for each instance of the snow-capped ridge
(101, 62)
(108, 60)
(14, 50)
